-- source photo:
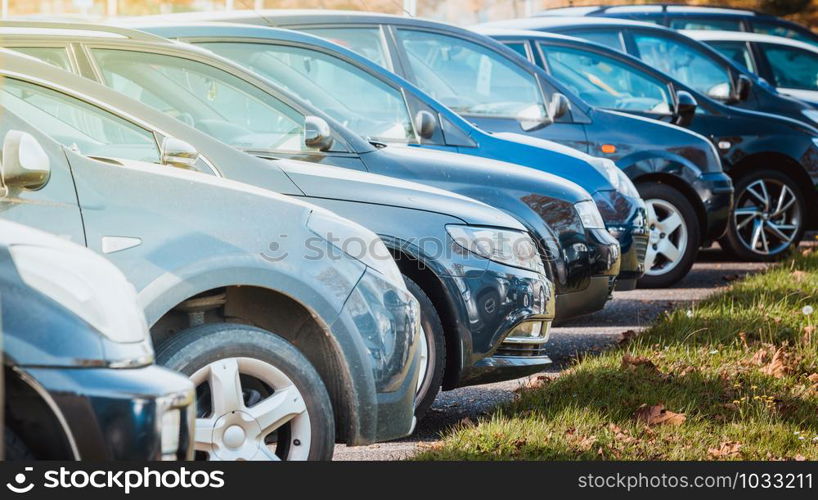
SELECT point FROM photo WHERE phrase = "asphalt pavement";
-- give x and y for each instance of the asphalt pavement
(632, 310)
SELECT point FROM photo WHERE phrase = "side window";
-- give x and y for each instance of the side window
(686, 23)
(207, 98)
(76, 124)
(518, 47)
(738, 52)
(605, 82)
(368, 42)
(792, 67)
(468, 77)
(686, 63)
(57, 56)
(352, 96)
(609, 38)
(774, 29)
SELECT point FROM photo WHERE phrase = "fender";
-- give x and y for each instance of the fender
(658, 162)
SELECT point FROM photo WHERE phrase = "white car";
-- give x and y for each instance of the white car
(788, 65)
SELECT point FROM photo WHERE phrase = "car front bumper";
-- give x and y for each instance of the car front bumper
(633, 240)
(143, 413)
(716, 192)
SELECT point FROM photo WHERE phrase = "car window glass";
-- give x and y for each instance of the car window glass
(687, 23)
(207, 98)
(355, 98)
(685, 63)
(792, 67)
(518, 47)
(368, 42)
(609, 38)
(470, 78)
(57, 56)
(738, 52)
(779, 30)
(83, 127)
(607, 82)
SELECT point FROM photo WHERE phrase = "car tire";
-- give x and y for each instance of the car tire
(275, 382)
(675, 235)
(749, 210)
(14, 448)
(434, 345)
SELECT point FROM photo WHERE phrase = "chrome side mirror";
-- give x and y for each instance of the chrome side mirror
(685, 108)
(317, 133)
(25, 164)
(178, 153)
(425, 124)
(533, 118)
(560, 105)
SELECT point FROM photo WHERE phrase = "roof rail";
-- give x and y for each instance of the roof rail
(665, 5)
(99, 28)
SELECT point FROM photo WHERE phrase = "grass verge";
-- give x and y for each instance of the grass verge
(734, 377)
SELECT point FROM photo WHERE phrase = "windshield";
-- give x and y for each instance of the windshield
(205, 97)
(792, 67)
(355, 98)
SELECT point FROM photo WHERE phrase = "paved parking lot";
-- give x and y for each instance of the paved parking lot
(628, 311)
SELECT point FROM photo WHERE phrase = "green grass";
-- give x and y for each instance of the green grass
(706, 367)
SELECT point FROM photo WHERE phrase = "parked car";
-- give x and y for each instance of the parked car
(485, 305)
(80, 383)
(789, 65)
(766, 155)
(290, 342)
(689, 61)
(371, 101)
(696, 17)
(666, 163)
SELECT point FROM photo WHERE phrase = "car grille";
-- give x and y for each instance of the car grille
(518, 350)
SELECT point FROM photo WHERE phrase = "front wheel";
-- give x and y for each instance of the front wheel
(431, 351)
(767, 218)
(674, 236)
(257, 396)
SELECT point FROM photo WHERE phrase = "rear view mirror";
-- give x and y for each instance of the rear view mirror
(560, 105)
(25, 164)
(533, 118)
(425, 124)
(685, 108)
(178, 153)
(317, 134)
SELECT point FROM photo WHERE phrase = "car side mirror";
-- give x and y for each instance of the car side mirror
(25, 164)
(317, 133)
(560, 105)
(425, 124)
(178, 153)
(685, 108)
(743, 86)
(533, 118)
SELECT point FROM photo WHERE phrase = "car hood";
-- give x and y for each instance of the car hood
(344, 184)
(459, 169)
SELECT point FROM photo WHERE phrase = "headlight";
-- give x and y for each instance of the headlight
(619, 179)
(812, 114)
(815, 141)
(87, 285)
(506, 246)
(357, 242)
(589, 215)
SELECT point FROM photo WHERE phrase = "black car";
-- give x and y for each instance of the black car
(696, 17)
(691, 62)
(766, 155)
(80, 382)
(666, 163)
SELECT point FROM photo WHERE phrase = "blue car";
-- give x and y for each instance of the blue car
(367, 98)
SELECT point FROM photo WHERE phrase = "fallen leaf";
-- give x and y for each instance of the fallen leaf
(626, 336)
(535, 382)
(731, 277)
(800, 458)
(813, 378)
(805, 252)
(761, 356)
(467, 422)
(778, 365)
(808, 331)
(658, 415)
(743, 337)
(633, 362)
(728, 449)
(799, 275)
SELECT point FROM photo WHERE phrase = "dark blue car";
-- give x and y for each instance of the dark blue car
(369, 100)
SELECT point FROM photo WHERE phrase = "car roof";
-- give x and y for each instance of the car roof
(744, 36)
(538, 23)
(649, 8)
(519, 33)
(259, 14)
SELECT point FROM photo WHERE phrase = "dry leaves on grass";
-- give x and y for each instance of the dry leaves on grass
(808, 331)
(813, 378)
(535, 382)
(799, 275)
(779, 365)
(658, 415)
(626, 336)
(728, 449)
(636, 362)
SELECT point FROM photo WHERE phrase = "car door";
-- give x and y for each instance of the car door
(54, 207)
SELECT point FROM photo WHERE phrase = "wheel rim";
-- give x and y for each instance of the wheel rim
(767, 216)
(248, 409)
(668, 237)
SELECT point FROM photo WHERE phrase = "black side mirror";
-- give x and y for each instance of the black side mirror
(743, 86)
(425, 124)
(685, 108)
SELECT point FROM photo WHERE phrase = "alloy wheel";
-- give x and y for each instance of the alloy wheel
(767, 216)
(248, 409)
(668, 237)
